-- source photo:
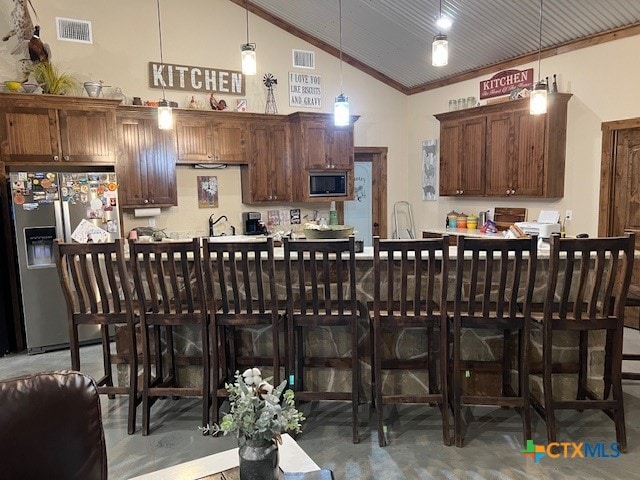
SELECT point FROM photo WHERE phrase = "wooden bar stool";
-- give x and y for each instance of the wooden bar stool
(170, 287)
(97, 290)
(587, 290)
(494, 289)
(321, 292)
(241, 291)
(410, 292)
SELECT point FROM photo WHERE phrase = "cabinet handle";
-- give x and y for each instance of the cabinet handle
(66, 158)
(513, 192)
(146, 201)
(461, 192)
(153, 201)
(209, 156)
(56, 158)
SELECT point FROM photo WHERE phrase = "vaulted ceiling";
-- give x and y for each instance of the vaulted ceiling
(391, 39)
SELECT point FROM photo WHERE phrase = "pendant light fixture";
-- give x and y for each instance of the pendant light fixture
(248, 50)
(538, 98)
(165, 114)
(341, 107)
(440, 45)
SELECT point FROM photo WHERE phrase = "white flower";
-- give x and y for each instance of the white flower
(252, 376)
(265, 388)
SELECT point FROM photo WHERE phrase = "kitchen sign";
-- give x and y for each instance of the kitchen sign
(305, 90)
(195, 79)
(503, 82)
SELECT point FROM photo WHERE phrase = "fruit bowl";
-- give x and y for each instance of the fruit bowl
(13, 86)
(328, 231)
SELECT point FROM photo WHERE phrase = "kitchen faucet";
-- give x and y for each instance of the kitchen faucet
(212, 223)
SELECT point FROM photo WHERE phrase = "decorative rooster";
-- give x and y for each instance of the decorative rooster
(215, 104)
(38, 51)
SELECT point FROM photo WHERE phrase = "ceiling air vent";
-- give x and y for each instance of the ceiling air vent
(72, 30)
(304, 59)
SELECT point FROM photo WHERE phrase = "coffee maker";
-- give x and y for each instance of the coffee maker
(252, 223)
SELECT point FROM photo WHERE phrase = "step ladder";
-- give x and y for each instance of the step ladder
(402, 214)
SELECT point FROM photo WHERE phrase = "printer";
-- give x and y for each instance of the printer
(546, 225)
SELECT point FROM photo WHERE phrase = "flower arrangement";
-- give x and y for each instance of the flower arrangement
(259, 411)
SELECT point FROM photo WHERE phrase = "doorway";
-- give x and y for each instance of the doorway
(368, 211)
(620, 188)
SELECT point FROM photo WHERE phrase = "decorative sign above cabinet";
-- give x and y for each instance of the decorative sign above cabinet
(305, 90)
(503, 82)
(195, 79)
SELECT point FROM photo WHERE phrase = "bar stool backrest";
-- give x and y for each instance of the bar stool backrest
(169, 283)
(501, 276)
(240, 277)
(411, 276)
(589, 277)
(323, 275)
(95, 281)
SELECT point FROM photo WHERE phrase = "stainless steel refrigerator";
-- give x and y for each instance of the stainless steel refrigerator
(75, 206)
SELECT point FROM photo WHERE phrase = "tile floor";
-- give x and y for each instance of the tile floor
(492, 448)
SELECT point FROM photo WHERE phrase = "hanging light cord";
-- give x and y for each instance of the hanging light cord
(161, 56)
(540, 42)
(340, 13)
(439, 29)
(246, 8)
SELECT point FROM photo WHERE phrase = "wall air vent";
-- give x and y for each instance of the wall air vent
(304, 59)
(72, 30)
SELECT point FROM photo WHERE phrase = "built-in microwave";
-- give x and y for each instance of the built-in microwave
(328, 184)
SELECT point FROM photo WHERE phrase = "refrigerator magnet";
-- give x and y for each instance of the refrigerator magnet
(18, 198)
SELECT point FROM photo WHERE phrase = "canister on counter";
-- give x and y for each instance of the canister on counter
(472, 222)
(452, 220)
(462, 221)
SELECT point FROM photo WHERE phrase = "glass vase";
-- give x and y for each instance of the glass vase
(258, 460)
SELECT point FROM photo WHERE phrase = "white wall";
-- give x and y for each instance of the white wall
(209, 33)
(603, 80)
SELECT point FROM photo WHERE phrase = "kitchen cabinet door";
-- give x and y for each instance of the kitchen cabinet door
(472, 171)
(29, 134)
(268, 175)
(500, 167)
(204, 139)
(87, 136)
(316, 145)
(230, 142)
(341, 156)
(529, 156)
(449, 158)
(462, 153)
(146, 164)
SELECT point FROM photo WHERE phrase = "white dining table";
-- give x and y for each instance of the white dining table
(292, 459)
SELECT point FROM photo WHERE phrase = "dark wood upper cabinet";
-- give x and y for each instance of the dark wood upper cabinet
(514, 154)
(267, 177)
(146, 164)
(209, 137)
(41, 129)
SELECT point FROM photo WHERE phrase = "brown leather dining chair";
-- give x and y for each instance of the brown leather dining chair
(170, 288)
(51, 427)
(321, 296)
(493, 291)
(633, 301)
(587, 289)
(97, 290)
(243, 304)
(410, 292)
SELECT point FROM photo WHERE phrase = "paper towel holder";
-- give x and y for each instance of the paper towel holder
(146, 212)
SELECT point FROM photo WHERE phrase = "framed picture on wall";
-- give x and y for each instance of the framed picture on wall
(207, 192)
(430, 170)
